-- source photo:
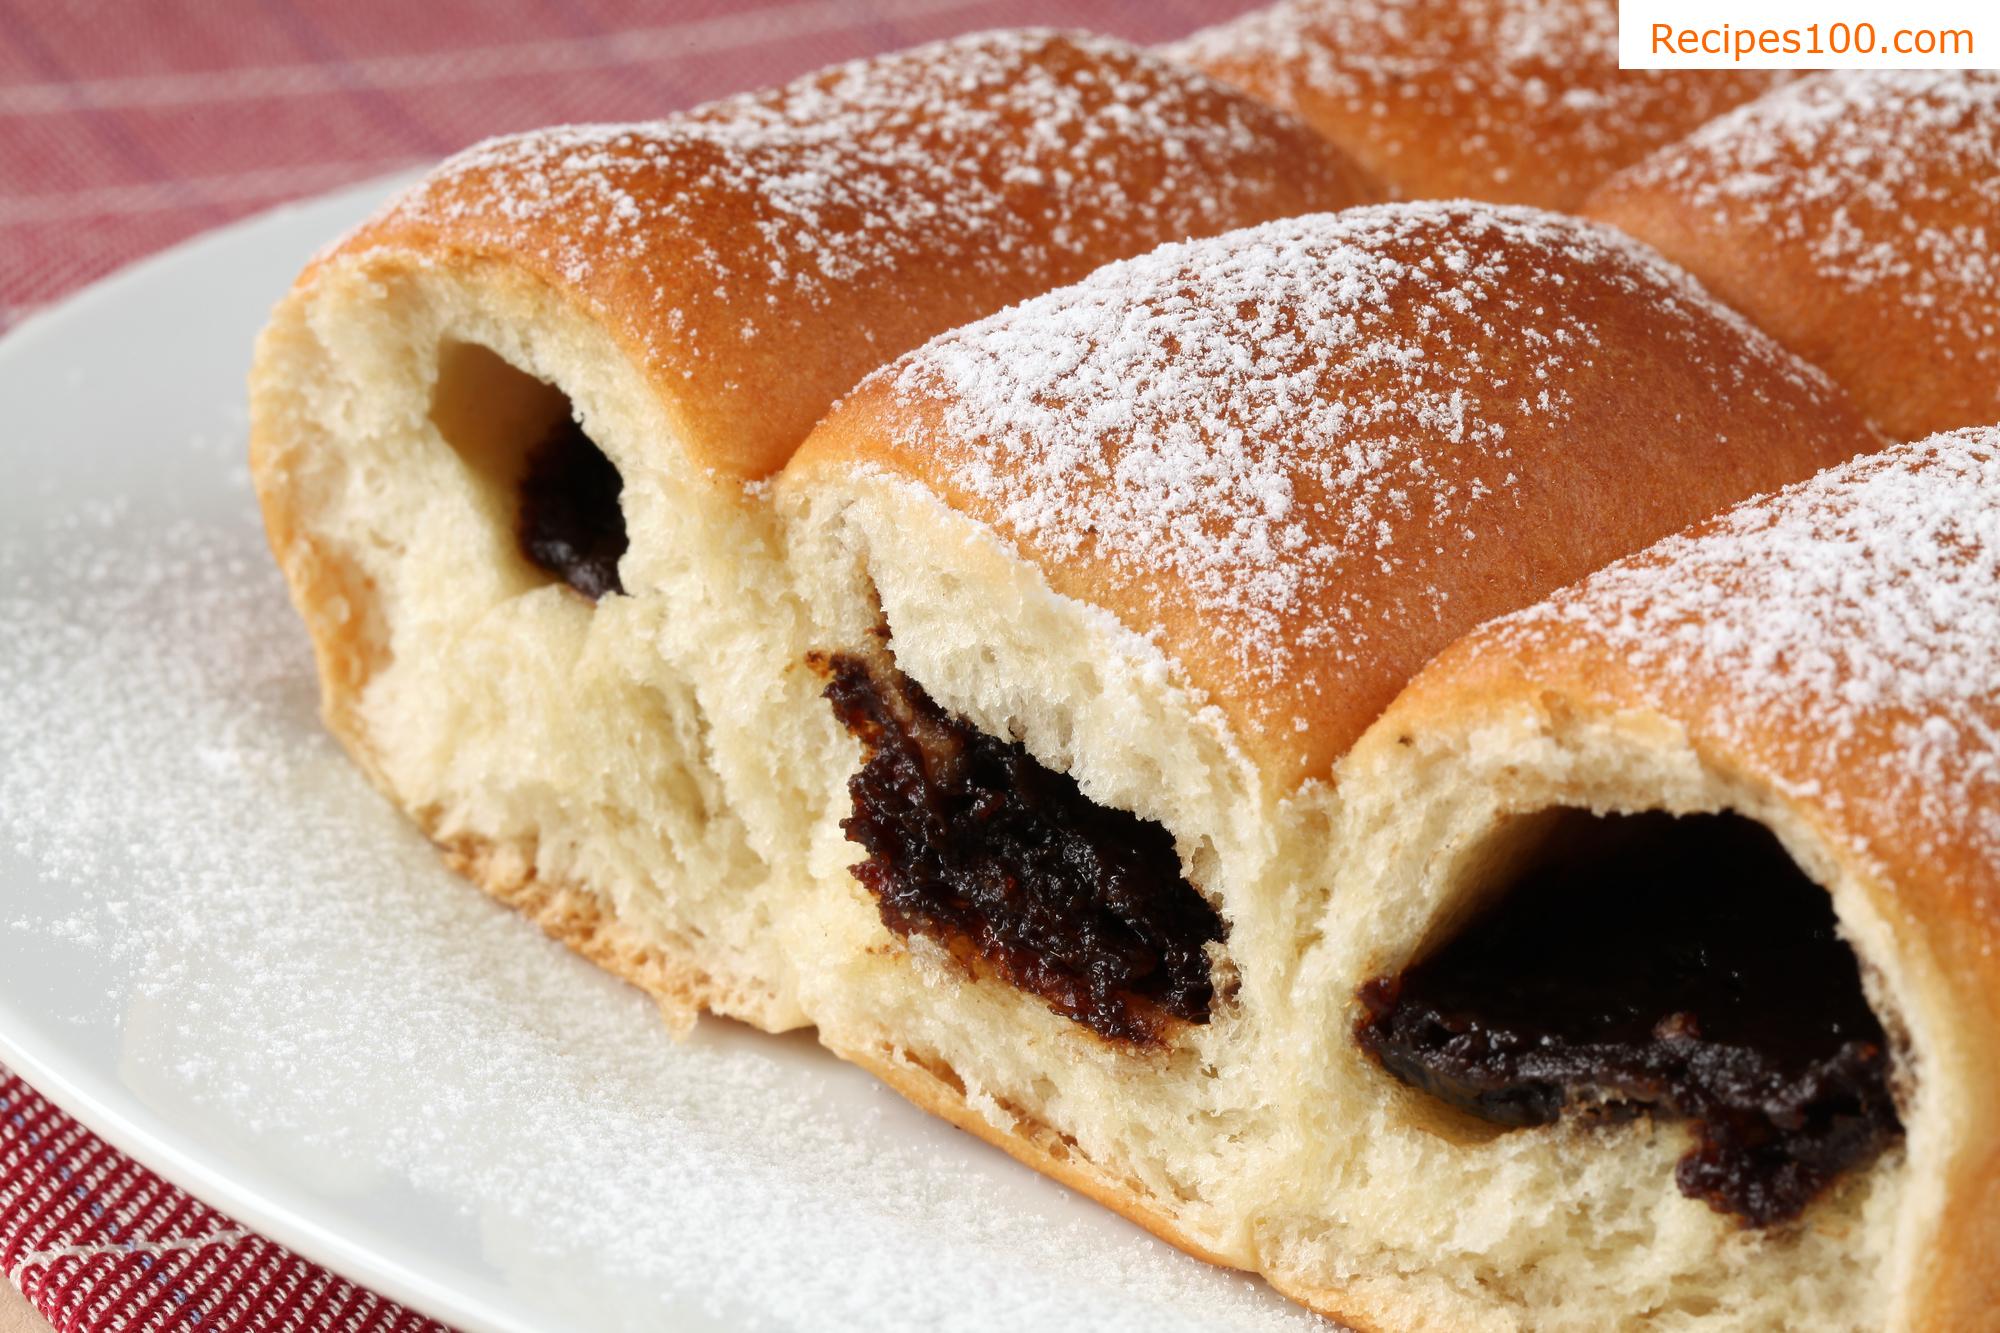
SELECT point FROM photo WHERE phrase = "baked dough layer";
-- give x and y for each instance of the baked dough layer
(1855, 216)
(1511, 101)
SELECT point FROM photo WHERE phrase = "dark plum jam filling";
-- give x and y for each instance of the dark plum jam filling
(1652, 965)
(973, 843)
(570, 524)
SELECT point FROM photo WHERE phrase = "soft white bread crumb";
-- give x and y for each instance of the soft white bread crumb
(605, 748)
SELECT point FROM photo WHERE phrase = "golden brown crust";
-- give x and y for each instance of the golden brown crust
(758, 255)
(1856, 218)
(1454, 410)
(335, 599)
(1028, 1141)
(1832, 650)
(1514, 101)
(572, 915)
(1361, 1308)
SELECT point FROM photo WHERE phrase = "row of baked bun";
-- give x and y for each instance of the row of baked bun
(1102, 589)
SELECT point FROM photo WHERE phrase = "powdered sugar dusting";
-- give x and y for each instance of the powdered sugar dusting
(1890, 179)
(1516, 82)
(298, 976)
(1265, 422)
(1860, 607)
(1007, 152)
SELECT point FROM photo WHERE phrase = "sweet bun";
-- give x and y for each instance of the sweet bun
(509, 439)
(1856, 217)
(1105, 586)
(1808, 683)
(1516, 101)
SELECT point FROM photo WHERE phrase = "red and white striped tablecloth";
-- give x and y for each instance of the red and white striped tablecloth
(126, 127)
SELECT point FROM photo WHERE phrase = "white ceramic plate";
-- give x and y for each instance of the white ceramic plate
(223, 953)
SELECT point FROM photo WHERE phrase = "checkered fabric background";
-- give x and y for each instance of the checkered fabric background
(127, 125)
